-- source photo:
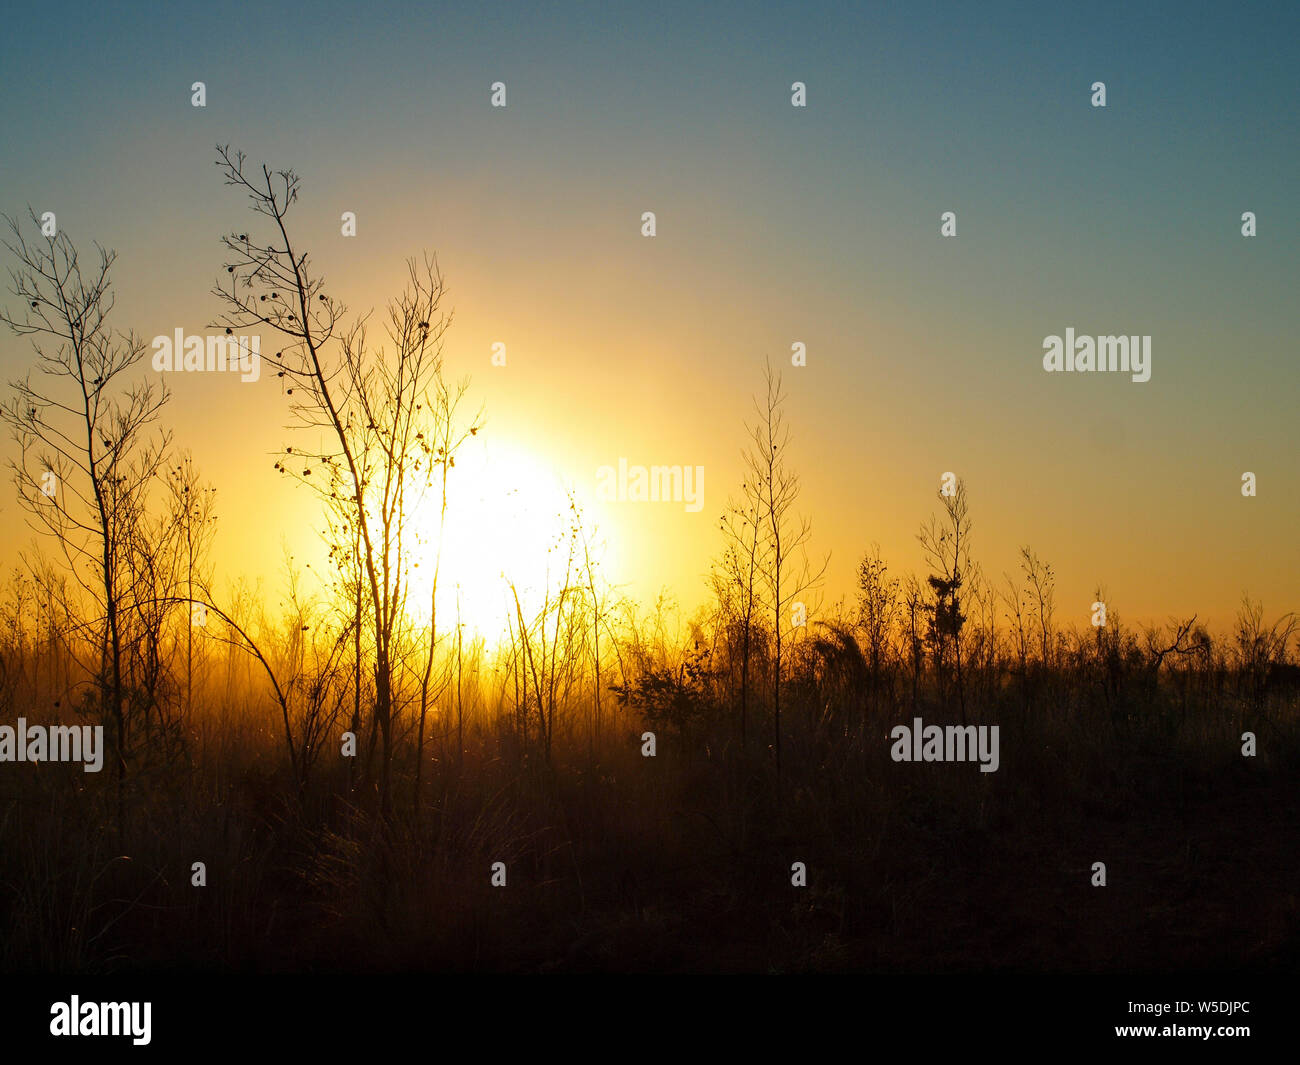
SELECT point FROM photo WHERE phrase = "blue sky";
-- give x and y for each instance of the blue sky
(775, 224)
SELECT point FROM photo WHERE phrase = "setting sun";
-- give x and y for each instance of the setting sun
(508, 515)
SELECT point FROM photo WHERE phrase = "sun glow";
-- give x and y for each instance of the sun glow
(507, 521)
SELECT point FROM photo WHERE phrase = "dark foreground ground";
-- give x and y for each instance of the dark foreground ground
(681, 863)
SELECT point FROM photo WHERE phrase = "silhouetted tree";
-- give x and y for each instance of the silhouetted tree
(945, 543)
(86, 457)
(785, 571)
(383, 447)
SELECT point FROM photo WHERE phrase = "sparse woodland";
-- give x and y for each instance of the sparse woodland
(227, 713)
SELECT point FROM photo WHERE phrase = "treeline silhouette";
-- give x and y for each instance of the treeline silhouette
(1113, 749)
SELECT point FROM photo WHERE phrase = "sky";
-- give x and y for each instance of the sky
(774, 225)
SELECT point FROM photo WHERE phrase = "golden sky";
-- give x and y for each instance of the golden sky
(775, 225)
